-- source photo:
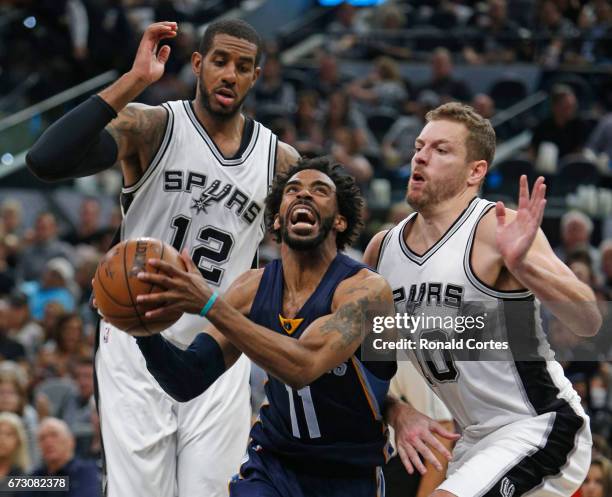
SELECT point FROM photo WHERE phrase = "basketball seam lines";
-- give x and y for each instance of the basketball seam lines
(127, 282)
(109, 294)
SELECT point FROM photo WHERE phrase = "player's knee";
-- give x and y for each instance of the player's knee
(441, 493)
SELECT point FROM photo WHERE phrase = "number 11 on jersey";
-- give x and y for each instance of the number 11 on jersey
(309, 413)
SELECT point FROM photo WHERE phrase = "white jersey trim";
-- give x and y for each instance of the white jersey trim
(474, 280)
(213, 146)
(163, 146)
(422, 259)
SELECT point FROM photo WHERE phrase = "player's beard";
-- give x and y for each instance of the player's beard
(301, 244)
(434, 193)
(223, 113)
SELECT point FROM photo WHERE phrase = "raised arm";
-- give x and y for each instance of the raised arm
(102, 130)
(185, 374)
(530, 259)
(328, 341)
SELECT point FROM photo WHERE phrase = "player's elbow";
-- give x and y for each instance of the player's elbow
(40, 166)
(591, 323)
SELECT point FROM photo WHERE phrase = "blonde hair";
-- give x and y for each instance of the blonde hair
(606, 469)
(20, 458)
(480, 142)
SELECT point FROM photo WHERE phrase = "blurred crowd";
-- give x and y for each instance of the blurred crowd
(369, 123)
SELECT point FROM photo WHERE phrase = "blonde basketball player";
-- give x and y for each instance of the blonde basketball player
(524, 431)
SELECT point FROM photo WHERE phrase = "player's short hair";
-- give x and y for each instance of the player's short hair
(232, 27)
(480, 142)
(348, 196)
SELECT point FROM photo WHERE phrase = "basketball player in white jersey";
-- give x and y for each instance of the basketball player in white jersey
(523, 429)
(196, 175)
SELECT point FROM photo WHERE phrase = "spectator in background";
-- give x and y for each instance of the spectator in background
(564, 128)
(398, 142)
(272, 95)
(442, 81)
(11, 214)
(598, 482)
(22, 328)
(345, 30)
(57, 446)
(595, 22)
(67, 346)
(79, 408)
(500, 35)
(342, 114)
(55, 285)
(14, 459)
(605, 252)
(328, 79)
(45, 246)
(382, 90)
(13, 399)
(557, 34)
(600, 141)
(88, 226)
(307, 120)
(576, 231)
(7, 274)
(345, 150)
(87, 263)
(10, 349)
(389, 39)
(484, 105)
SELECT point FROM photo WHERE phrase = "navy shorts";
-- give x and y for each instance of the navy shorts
(263, 474)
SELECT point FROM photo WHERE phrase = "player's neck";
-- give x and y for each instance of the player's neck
(434, 221)
(232, 126)
(303, 270)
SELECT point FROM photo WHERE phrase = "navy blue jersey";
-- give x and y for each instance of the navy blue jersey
(336, 419)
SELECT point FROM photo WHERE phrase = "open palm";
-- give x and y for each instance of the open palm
(514, 239)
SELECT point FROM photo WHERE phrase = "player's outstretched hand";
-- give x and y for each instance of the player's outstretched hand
(514, 239)
(414, 438)
(185, 290)
(149, 62)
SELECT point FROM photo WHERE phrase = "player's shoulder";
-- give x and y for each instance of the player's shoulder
(364, 283)
(487, 225)
(371, 255)
(141, 118)
(242, 291)
(286, 156)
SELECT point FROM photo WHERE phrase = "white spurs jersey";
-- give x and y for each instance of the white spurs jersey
(482, 395)
(193, 198)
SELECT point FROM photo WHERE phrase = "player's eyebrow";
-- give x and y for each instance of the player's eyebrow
(224, 53)
(441, 141)
(316, 182)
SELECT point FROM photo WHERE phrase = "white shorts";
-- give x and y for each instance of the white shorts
(544, 456)
(157, 447)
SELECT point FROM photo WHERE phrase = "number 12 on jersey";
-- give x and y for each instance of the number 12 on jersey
(216, 247)
(309, 413)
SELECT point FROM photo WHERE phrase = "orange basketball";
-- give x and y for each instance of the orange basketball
(116, 285)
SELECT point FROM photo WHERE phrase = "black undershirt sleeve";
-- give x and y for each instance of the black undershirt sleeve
(75, 145)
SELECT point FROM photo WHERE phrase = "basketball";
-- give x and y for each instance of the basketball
(116, 285)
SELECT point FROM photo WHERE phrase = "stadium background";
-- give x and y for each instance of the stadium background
(354, 82)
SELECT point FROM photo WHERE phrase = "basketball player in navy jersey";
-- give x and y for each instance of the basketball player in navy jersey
(524, 431)
(196, 174)
(302, 319)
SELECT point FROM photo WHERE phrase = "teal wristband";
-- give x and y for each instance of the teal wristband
(209, 304)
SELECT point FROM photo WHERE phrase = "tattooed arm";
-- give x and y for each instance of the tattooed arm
(327, 342)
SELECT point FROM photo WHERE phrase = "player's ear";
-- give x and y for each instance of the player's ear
(276, 224)
(478, 170)
(256, 73)
(196, 62)
(340, 223)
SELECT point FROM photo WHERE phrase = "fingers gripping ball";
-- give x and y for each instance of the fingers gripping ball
(116, 285)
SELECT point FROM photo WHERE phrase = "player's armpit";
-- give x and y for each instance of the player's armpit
(332, 339)
(286, 156)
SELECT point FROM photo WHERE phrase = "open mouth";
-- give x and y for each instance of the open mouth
(225, 96)
(417, 178)
(303, 218)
